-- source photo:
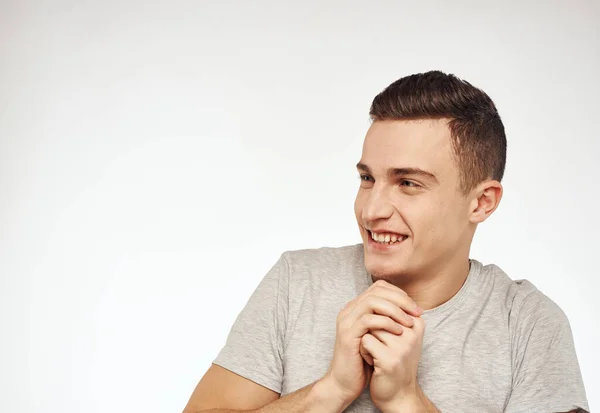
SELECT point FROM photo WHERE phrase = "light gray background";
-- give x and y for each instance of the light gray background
(157, 157)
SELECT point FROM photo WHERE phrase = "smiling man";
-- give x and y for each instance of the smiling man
(405, 321)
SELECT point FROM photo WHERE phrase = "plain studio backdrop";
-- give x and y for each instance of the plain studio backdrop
(156, 158)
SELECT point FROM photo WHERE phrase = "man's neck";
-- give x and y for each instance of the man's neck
(438, 286)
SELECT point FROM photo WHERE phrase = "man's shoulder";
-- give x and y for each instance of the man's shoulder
(325, 266)
(522, 299)
(534, 307)
(323, 257)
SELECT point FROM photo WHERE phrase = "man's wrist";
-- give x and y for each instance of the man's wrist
(412, 402)
(329, 397)
(405, 406)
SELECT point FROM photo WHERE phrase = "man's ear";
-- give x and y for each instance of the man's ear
(486, 198)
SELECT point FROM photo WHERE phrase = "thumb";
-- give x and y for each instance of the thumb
(419, 326)
(365, 354)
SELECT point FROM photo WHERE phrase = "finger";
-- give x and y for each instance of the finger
(370, 321)
(386, 284)
(393, 294)
(349, 307)
(419, 326)
(374, 347)
(365, 354)
(385, 337)
(378, 305)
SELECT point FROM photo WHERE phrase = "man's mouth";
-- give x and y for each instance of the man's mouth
(387, 238)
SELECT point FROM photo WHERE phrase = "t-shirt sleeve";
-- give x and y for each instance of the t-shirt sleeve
(254, 345)
(546, 375)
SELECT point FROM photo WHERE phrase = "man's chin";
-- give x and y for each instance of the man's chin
(384, 270)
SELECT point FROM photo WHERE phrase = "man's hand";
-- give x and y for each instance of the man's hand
(384, 308)
(395, 359)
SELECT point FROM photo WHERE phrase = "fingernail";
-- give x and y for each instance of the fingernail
(419, 309)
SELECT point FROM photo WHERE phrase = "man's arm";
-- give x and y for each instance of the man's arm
(419, 404)
(546, 375)
(222, 391)
(424, 405)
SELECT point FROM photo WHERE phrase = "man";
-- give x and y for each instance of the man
(405, 321)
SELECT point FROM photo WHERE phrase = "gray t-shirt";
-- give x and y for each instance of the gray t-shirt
(497, 346)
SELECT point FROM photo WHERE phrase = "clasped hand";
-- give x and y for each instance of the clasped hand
(379, 337)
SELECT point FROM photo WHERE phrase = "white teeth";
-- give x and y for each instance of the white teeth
(387, 238)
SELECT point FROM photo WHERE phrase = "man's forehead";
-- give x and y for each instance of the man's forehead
(407, 143)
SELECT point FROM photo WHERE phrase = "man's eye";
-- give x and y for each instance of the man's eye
(409, 184)
(366, 178)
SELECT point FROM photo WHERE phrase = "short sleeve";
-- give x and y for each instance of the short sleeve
(546, 375)
(254, 345)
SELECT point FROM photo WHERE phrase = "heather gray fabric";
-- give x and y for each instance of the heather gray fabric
(497, 346)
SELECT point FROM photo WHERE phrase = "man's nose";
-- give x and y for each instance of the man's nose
(377, 206)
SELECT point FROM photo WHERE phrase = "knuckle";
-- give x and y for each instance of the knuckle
(371, 300)
(368, 318)
(419, 323)
(377, 290)
(347, 308)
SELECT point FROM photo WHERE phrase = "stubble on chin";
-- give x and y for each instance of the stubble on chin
(392, 274)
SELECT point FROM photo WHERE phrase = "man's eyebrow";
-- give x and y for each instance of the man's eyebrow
(400, 171)
(412, 171)
(362, 167)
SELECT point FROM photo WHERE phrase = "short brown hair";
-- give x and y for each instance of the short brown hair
(477, 131)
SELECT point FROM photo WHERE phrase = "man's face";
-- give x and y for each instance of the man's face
(409, 192)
